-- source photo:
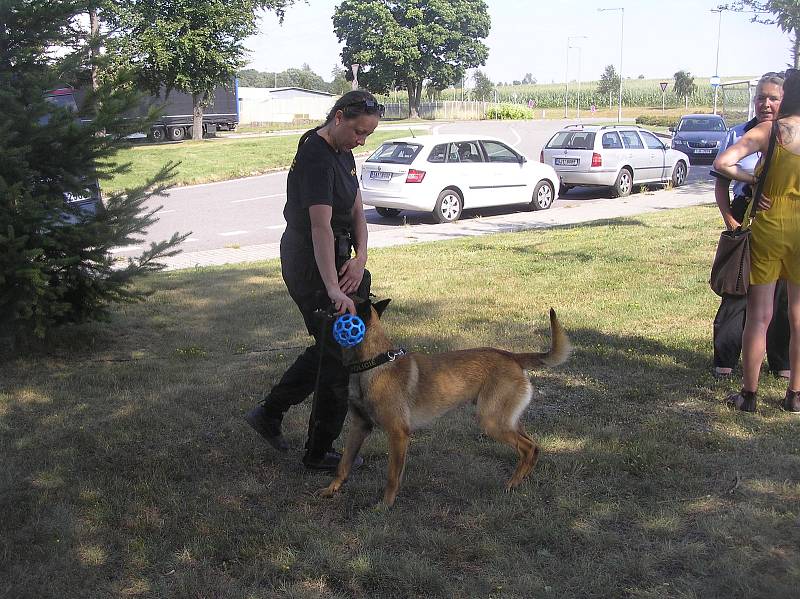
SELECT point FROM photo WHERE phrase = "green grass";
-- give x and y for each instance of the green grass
(128, 470)
(216, 159)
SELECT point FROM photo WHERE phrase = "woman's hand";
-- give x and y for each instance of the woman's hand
(764, 203)
(341, 302)
(350, 275)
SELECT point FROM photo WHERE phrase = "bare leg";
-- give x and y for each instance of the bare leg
(359, 430)
(794, 338)
(754, 340)
(398, 449)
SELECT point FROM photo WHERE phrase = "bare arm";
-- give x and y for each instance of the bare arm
(322, 238)
(722, 195)
(755, 140)
(353, 270)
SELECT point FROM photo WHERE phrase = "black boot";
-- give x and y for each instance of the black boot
(267, 426)
(744, 401)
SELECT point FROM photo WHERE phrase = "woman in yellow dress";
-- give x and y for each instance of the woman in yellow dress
(775, 242)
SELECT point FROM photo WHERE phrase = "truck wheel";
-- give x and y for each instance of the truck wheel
(176, 133)
(157, 133)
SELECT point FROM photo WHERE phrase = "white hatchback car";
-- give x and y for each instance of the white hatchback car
(444, 174)
(615, 156)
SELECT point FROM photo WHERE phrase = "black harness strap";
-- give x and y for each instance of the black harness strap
(389, 356)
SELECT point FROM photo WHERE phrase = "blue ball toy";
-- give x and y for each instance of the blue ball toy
(348, 330)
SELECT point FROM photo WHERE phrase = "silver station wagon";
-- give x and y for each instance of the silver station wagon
(614, 156)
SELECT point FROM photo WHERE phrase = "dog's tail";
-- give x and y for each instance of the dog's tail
(560, 348)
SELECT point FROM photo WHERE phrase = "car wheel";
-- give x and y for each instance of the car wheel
(448, 206)
(387, 212)
(157, 133)
(176, 133)
(679, 174)
(542, 196)
(623, 185)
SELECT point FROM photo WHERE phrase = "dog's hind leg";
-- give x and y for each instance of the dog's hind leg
(398, 449)
(499, 412)
(360, 429)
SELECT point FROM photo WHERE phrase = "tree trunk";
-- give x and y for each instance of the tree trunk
(796, 50)
(413, 98)
(197, 116)
(94, 50)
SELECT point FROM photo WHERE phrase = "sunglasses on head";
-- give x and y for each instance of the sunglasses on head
(368, 107)
(781, 74)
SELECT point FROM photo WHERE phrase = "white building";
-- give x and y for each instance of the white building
(283, 104)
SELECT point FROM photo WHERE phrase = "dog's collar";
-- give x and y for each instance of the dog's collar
(388, 356)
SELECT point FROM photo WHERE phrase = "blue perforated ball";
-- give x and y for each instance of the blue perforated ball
(348, 330)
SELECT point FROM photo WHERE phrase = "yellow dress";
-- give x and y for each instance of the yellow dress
(775, 241)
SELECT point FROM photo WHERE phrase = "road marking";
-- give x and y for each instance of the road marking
(519, 138)
(283, 226)
(130, 248)
(165, 211)
(274, 195)
(229, 233)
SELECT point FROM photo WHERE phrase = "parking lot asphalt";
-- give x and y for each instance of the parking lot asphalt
(573, 213)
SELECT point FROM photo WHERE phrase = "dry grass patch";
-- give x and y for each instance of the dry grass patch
(129, 471)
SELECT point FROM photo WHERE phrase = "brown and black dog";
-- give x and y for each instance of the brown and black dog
(406, 392)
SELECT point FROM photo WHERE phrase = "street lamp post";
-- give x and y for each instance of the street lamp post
(716, 65)
(621, 45)
(566, 70)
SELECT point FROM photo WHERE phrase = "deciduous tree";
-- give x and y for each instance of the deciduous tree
(684, 85)
(189, 45)
(786, 15)
(609, 83)
(412, 41)
(484, 88)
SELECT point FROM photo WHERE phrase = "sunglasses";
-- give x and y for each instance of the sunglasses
(368, 107)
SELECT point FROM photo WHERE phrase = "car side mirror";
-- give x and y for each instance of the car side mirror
(522, 159)
(672, 129)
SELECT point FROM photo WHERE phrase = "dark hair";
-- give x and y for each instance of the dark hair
(790, 105)
(352, 104)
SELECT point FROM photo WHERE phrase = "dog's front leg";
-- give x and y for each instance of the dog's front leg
(360, 429)
(398, 449)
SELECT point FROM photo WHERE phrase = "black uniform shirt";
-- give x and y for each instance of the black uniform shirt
(320, 175)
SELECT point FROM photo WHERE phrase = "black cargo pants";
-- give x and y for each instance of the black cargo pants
(306, 288)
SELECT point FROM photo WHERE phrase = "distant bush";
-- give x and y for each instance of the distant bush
(509, 112)
(657, 121)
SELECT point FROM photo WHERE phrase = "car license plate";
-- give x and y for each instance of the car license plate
(380, 175)
(566, 162)
(703, 151)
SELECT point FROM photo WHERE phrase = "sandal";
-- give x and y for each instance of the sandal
(791, 403)
(744, 401)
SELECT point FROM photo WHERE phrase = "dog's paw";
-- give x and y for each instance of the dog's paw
(328, 491)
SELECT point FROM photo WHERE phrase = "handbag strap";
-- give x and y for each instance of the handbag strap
(752, 207)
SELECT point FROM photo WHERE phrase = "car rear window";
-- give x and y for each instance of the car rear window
(576, 140)
(395, 152)
(701, 124)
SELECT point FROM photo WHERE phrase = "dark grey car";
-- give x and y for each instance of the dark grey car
(699, 136)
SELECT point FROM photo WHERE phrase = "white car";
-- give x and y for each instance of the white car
(614, 156)
(445, 174)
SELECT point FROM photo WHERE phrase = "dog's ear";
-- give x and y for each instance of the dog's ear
(381, 306)
(363, 309)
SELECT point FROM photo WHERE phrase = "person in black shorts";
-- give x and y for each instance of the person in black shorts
(324, 223)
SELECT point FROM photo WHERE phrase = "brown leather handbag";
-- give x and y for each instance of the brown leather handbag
(730, 272)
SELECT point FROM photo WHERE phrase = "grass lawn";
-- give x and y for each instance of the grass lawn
(128, 470)
(217, 159)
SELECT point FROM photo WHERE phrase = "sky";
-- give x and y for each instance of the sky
(530, 36)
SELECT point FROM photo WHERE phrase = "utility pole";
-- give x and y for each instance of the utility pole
(621, 46)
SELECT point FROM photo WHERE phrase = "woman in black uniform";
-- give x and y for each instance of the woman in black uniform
(324, 221)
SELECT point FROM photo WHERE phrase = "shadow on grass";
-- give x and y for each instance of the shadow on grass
(140, 477)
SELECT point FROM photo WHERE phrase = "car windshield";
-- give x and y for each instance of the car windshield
(576, 140)
(395, 152)
(701, 124)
